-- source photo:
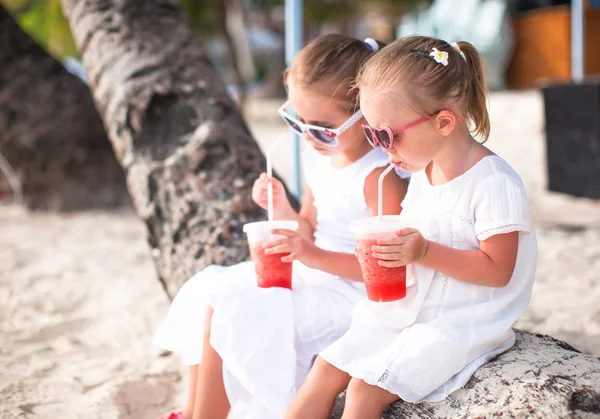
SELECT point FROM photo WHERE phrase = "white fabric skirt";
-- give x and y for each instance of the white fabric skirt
(423, 362)
(267, 337)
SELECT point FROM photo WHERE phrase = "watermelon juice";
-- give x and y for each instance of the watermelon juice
(270, 270)
(382, 284)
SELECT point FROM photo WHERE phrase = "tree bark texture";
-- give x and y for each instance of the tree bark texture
(189, 158)
(539, 378)
(50, 130)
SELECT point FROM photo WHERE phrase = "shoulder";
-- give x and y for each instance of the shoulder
(391, 182)
(393, 188)
(494, 177)
(498, 199)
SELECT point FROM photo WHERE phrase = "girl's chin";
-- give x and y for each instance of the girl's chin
(325, 151)
(406, 167)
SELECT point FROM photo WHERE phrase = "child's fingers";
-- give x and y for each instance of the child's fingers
(388, 256)
(391, 264)
(282, 232)
(263, 179)
(275, 242)
(387, 249)
(406, 231)
(394, 240)
(283, 248)
(289, 258)
(276, 183)
(262, 198)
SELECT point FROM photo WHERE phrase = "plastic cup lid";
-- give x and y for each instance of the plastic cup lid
(372, 225)
(270, 225)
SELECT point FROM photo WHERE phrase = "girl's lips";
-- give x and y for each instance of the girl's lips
(397, 163)
(320, 149)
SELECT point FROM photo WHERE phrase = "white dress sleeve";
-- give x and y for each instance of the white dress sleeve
(500, 207)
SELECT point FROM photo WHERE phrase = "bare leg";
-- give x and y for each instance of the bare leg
(364, 401)
(188, 412)
(316, 396)
(211, 400)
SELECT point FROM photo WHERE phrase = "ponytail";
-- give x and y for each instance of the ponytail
(476, 98)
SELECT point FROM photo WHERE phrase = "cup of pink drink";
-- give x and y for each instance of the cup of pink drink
(382, 284)
(270, 270)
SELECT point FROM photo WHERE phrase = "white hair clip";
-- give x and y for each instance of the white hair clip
(439, 56)
(457, 48)
(372, 44)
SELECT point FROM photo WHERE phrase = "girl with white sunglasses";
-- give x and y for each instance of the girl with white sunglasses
(250, 348)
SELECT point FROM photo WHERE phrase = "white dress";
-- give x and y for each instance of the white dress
(425, 347)
(268, 338)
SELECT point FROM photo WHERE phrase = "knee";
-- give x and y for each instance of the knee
(323, 369)
(362, 396)
(325, 375)
(357, 389)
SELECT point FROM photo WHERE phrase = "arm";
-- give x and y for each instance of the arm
(308, 214)
(306, 218)
(394, 190)
(497, 201)
(337, 263)
(282, 209)
(345, 265)
(491, 265)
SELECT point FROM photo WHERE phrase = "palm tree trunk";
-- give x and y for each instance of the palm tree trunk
(189, 158)
(50, 130)
(231, 49)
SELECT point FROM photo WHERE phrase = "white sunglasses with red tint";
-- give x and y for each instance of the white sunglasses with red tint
(324, 136)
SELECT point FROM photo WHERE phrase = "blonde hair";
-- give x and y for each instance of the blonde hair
(431, 86)
(329, 64)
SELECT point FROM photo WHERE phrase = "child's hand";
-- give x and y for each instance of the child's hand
(296, 244)
(407, 246)
(281, 204)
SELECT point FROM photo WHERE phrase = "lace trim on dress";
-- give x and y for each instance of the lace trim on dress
(502, 230)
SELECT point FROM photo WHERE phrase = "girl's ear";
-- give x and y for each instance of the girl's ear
(445, 122)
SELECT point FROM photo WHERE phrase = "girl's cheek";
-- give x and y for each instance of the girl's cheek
(395, 149)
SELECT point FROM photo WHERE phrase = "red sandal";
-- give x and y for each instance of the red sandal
(174, 415)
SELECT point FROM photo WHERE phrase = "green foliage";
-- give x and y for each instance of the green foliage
(44, 21)
(318, 12)
(202, 14)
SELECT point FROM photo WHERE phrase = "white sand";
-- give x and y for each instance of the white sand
(80, 299)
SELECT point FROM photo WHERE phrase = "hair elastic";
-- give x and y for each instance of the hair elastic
(372, 44)
(457, 48)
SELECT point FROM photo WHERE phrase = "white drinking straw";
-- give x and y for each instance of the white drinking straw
(380, 191)
(270, 174)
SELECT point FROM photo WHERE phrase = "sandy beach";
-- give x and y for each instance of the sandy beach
(80, 301)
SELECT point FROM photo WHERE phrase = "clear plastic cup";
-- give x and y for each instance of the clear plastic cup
(270, 270)
(382, 284)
